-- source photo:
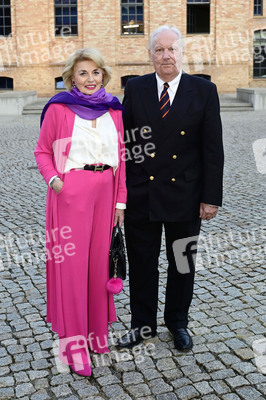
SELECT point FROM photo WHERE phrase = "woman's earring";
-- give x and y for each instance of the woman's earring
(74, 85)
(101, 84)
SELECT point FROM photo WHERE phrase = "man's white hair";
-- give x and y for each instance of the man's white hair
(162, 29)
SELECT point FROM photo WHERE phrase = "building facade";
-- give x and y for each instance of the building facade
(225, 39)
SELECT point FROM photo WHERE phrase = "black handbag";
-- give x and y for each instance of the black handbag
(117, 261)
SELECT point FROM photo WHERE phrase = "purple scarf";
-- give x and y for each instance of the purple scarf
(85, 106)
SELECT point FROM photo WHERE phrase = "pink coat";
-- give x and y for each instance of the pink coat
(51, 154)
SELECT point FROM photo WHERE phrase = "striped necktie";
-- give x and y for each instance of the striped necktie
(165, 101)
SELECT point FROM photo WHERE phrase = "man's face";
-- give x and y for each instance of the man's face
(167, 55)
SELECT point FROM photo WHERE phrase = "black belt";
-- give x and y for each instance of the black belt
(96, 168)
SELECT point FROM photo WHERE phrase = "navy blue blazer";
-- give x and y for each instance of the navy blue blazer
(175, 163)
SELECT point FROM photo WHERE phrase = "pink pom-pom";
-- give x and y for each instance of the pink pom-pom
(114, 285)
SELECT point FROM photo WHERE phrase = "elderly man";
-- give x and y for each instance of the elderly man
(176, 185)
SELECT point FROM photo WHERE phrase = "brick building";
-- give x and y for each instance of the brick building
(225, 39)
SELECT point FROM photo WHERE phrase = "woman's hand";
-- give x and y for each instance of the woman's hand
(119, 217)
(57, 185)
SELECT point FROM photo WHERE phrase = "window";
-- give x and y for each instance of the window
(59, 83)
(125, 78)
(259, 54)
(66, 17)
(132, 17)
(5, 18)
(198, 16)
(6, 83)
(258, 7)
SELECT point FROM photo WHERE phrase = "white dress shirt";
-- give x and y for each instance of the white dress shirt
(173, 86)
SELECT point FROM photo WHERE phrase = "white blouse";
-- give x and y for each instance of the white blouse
(93, 145)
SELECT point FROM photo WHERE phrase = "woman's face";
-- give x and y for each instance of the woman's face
(87, 77)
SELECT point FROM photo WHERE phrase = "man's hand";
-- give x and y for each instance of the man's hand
(119, 217)
(207, 212)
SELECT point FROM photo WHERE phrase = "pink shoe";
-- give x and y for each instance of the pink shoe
(74, 352)
(83, 370)
(81, 363)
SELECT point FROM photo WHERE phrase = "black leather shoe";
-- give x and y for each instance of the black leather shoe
(133, 337)
(182, 339)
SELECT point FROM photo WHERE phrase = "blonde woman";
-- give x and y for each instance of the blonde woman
(80, 155)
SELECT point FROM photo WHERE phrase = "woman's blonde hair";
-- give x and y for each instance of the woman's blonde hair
(90, 54)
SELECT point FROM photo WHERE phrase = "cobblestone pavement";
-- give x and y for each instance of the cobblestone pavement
(227, 317)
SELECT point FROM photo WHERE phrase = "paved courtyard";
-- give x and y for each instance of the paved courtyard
(227, 317)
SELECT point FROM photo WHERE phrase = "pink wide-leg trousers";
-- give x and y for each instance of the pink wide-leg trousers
(85, 209)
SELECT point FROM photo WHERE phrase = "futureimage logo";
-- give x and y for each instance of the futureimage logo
(185, 251)
(259, 150)
(259, 348)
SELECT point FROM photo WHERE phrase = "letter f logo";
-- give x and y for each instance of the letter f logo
(185, 255)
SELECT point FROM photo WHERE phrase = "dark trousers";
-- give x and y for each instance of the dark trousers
(143, 240)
